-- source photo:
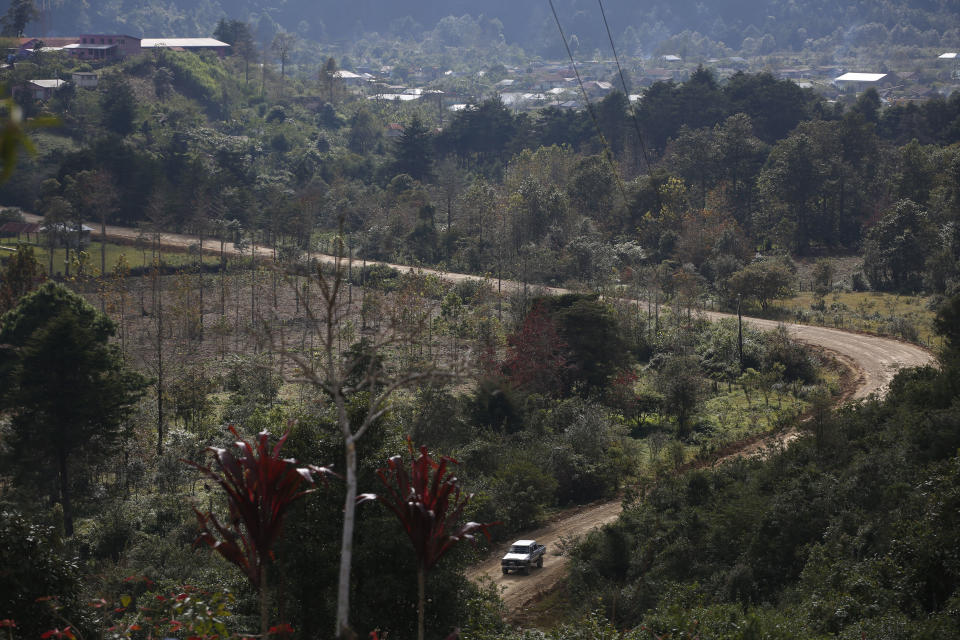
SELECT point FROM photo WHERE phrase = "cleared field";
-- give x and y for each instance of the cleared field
(135, 257)
(886, 314)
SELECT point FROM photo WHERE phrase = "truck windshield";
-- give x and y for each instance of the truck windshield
(516, 549)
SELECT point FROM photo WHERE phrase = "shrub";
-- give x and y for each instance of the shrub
(523, 489)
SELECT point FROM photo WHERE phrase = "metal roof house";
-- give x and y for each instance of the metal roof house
(860, 81)
(43, 89)
(103, 46)
(186, 44)
(85, 79)
(63, 234)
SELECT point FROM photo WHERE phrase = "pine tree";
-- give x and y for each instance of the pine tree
(64, 387)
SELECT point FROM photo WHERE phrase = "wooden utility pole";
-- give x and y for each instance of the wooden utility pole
(739, 334)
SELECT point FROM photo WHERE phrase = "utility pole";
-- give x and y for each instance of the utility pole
(739, 333)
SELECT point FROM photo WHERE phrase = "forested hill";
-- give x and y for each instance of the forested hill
(638, 26)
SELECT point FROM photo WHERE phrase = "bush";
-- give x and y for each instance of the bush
(858, 282)
(377, 276)
(522, 490)
(32, 566)
(496, 405)
(276, 114)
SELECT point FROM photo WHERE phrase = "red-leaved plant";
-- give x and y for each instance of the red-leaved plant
(429, 504)
(260, 487)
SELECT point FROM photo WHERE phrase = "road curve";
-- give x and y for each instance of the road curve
(874, 359)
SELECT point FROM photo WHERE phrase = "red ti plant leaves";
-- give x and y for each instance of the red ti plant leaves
(428, 502)
(260, 486)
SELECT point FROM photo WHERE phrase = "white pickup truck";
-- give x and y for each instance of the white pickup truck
(522, 555)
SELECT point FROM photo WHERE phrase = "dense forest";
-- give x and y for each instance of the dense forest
(155, 387)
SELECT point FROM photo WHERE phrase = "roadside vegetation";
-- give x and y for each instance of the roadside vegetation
(132, 377)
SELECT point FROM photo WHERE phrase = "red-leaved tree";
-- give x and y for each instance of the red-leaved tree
(536, 360)
(260, 487)
(429, 504)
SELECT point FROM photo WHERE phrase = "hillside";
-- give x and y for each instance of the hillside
(789, 25)
(457, 259)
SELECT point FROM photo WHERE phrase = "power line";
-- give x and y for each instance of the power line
(626, 93)
(586, 99)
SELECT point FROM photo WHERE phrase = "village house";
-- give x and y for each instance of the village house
(64, 235)
(44, 89)
(186, 44)
(11, 229)
(597, 88)
(861, 81)
(85, 79)
(103, 47)
(351, 79)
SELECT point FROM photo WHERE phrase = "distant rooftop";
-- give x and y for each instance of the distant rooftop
(402, 97)
(860, 77)
(183, 43)
(48, 84)
(948, 56)
(91, 46)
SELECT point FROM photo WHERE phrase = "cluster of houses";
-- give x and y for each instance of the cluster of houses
(538, 85)
(100, 48)
(106, 47)
(555, 84)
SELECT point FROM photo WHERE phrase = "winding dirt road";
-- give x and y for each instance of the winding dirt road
(874, 361)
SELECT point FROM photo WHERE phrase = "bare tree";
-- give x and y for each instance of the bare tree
(282, 44)
(341, 369)
(328, 77)
(94, 194)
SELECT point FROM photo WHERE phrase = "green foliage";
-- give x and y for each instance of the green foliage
(413, 151)
(204, 80)
(252, 383)
(65, 386)
(118, 104)
(496, 405)
(19, 275)
(523, 487)
(679, 382)
(35, 565)
(841, 534)
(896, 249)
(595, 348)
(588, 457)
(762, 282)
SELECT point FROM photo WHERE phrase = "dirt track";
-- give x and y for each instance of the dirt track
(874, 360)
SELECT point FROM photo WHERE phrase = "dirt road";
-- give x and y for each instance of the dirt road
(874, 360)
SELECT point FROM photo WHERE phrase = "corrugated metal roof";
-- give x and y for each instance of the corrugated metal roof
(48, 84)
(860, 77)
(91, 46)
(186, 43)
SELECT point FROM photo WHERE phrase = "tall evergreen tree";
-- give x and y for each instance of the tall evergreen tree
(64, 387)
(118, 104)
(413, 153)
(17, 17)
